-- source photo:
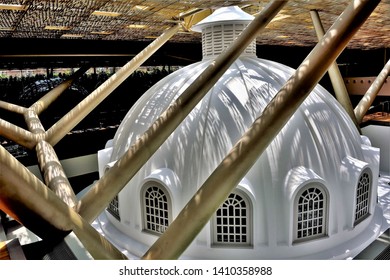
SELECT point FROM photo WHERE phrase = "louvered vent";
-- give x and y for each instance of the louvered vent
(216, 38)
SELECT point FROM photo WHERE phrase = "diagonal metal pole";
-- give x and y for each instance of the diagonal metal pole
(25, 198)
(53, 172)
(72, 118)
(253, 143)
(49, 163)
(19, 135)
(336, 79)
(369, 97)
(104, 190)
(12, 107)
(39, 106)
(36, 131)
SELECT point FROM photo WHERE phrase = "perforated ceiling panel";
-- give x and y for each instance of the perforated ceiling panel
(144, 19)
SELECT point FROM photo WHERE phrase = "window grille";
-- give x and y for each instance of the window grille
(232, 222)
(113, 208)
(311, 214)
(156, 209)
(362, 197)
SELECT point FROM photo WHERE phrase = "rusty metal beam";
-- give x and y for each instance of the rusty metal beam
(104, 190)
(196, 214)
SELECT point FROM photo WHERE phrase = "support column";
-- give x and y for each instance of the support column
(369, 97)
(103, 191)
(25, 198)
(71, 119)
(336, 79)
(253, 143)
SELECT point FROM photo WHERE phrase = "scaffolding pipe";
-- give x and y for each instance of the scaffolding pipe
(54, 174)
(36, 130)
(104, 190)
(336, 79)
(72, 118)
(369, 97)
(19, 135)
(33, 122)
(12, 107)
(253, 143)
(25, 198)
(39, 106)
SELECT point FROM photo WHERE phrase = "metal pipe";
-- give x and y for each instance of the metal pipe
(369, 97)
(188, 13)
(53, 173)
(104, 190)
(12, 107)
(336, 79)
(71, 119)
(23, 137)
(39, 106)
(25, 198)
(252, 144)
(19, 135)
(33, 122)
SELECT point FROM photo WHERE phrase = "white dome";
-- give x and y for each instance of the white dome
(318, 153)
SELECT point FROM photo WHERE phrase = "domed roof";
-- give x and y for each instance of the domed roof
(318, 153)
(231, 106)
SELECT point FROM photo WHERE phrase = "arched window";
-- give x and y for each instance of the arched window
(156, 208)
(362, 197)
(113, 208)
(311, 213)
(232, 224)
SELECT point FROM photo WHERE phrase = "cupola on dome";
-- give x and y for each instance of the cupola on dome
(310, 195)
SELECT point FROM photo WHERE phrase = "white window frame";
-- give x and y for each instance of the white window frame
(156, 218)
(233, 225)
(310, 218)
(363, 196)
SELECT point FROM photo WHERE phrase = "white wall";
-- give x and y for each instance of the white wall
(379, 136)
(73, 167)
